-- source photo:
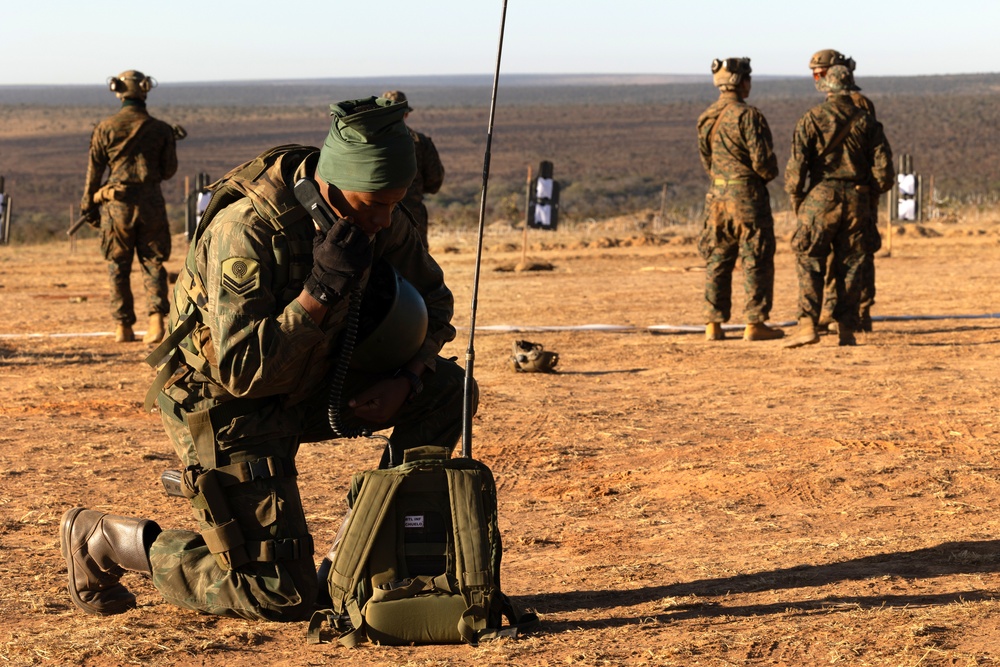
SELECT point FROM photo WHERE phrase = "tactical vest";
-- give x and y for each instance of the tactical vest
(263, 181)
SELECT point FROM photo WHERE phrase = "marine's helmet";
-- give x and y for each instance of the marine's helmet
(398, 97)
(730, 72)
(392, 323)
(131, 84)
(838, 78)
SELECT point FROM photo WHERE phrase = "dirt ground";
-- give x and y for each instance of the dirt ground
(663, 500)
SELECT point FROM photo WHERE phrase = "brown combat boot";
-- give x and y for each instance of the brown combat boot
(866, 321)
(98, 548)
(805, 334)
(845, 336)
(154, 332)
(760, 331)
(124, 333)
(713, 331)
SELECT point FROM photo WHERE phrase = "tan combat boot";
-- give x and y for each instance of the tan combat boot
(124, 333)
(98, 548)
(713, 331)
(805, 334)
(154, 332)
(760, 331)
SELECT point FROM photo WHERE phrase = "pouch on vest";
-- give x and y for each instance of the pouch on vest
(419, 558)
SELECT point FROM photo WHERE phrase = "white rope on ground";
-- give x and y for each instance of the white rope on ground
(599, 328)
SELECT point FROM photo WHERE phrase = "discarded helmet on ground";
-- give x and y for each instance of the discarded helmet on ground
(131, 84)
(531, 357)
(730, 71)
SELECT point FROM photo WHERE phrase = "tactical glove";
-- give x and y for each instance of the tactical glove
(92, 215)
(339, 258)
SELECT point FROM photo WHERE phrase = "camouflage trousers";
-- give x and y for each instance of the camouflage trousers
(136, 227)
(833, 235)
(263, 516)
(873, 241)
(738, 225)
(420, 218)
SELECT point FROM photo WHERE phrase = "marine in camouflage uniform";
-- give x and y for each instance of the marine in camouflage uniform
(737, 152)
(838, 152)
(819, 64)
(430, 172)
(257, 325)
(139, 152)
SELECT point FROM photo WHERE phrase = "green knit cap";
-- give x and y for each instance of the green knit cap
(368, 147)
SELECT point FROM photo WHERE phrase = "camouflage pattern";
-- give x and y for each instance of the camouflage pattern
(874, 241)
(831, 190)
(736, 149)
(429, 178)
(260, 359)
(139, 152)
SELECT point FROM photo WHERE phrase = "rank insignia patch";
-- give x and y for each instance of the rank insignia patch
(240, 275)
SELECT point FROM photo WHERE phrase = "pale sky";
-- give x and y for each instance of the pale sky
(82, 42)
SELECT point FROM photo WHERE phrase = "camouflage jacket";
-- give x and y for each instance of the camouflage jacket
(138, 149)
(862, 156)
(735, 141)
(254, 338)
(430, 171)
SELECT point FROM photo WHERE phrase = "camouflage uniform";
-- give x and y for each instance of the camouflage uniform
(737, 152)
(254, 383)
(430, 176)
(874, 243)
(140, 152)
(834, 211)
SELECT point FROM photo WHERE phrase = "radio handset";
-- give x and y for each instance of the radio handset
(308, 195)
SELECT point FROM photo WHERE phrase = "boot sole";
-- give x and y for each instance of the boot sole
(65, 533)
(792, 344)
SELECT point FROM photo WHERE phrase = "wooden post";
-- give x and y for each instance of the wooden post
(527, 208)
(888, 223)
(72, 239)
(663, 206)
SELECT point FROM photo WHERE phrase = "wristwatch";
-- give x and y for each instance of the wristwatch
(416, 384)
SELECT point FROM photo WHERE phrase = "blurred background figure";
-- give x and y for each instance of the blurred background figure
(430, 171)
(820, 63)
(138, 152)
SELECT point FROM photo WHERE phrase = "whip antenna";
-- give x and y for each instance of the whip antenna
(470, 353)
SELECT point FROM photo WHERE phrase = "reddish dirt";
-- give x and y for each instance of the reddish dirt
(664, 501)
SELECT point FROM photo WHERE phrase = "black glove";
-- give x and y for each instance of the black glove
(92, 215)
(339, 259)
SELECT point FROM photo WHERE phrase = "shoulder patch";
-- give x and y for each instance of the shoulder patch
(240, 275)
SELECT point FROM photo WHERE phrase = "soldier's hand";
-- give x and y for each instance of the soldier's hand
(92, 215)
(380, 402)
(339, 259)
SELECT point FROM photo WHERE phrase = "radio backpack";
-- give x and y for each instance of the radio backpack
(419, 558)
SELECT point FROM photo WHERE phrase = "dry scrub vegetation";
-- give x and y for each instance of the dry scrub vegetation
(663, 500)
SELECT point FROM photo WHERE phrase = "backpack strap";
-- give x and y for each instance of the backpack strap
(368, 513)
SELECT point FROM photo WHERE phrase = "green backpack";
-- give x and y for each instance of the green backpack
(418, 560)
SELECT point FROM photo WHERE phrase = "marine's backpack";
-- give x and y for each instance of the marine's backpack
(418, 560)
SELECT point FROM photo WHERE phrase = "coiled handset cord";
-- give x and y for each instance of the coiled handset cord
(339, 374)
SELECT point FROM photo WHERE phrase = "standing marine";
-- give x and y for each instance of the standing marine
(839, 154)
(737, 151)
(430, 171)
(138, 152)
(254, 365)
(819, 64)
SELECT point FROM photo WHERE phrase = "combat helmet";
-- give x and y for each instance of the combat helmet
(392, 322)
(827, 58)
(838, 78)
(730, 72)
(397, 96)
(131, 84)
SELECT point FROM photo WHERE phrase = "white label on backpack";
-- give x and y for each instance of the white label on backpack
(412, 521)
